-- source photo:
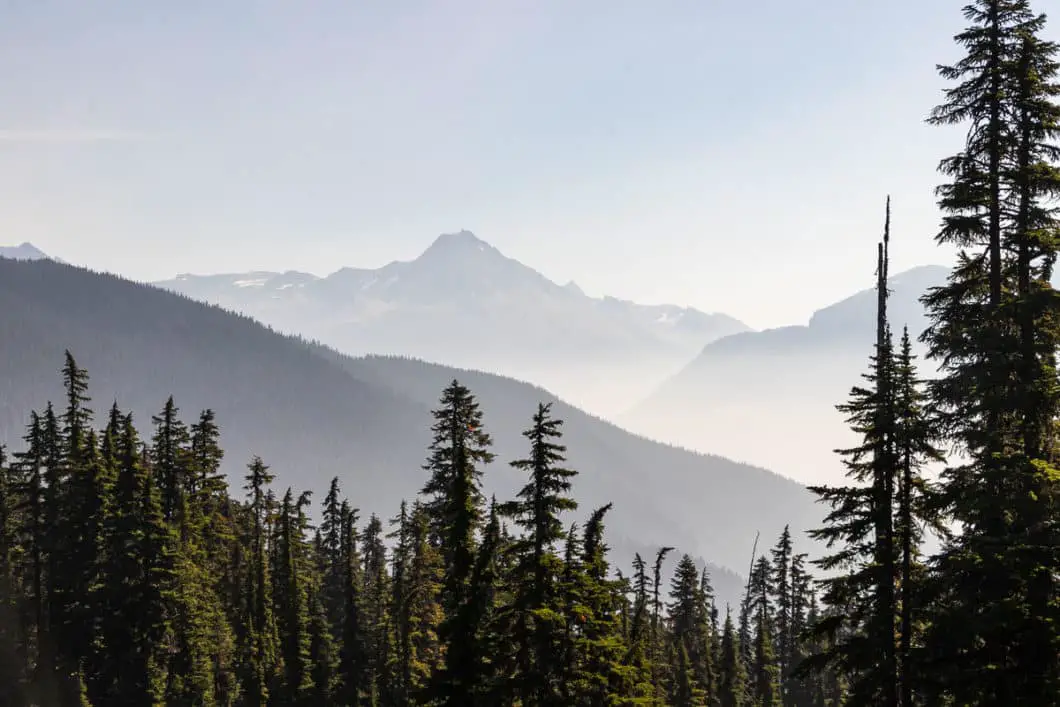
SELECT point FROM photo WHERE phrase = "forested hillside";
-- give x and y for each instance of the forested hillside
(312, 414)
(134, 572)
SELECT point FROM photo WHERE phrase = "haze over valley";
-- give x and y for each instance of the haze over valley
(463, 303)
(456, 353)
(703, 381)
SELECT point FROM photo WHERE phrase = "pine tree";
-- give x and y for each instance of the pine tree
(422, 610)
(861, 522)
(138, 582)
(914, 509)
(66, 452)
(692, 633)
(994, 636)
(291, 600)
(322, 654)
(28, 475)
(765, 672)
(259, 632)
(169, 458)
(781, 595)
(596, 645)
(480, 668)
(353, 656)
(456, 507)
(374, 605)
(536, 613)
(733, 677)
(12, 640)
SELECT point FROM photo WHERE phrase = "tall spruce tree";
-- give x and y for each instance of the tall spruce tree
(994, 332)
(861, 590)
(535, 616)
(259, 649)
(732, 687)
(692, 633)
(456, 507)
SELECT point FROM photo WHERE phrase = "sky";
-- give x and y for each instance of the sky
(732, 156)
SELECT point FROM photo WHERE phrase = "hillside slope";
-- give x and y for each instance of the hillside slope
(312, 413)
(781, 384)
(682, 491)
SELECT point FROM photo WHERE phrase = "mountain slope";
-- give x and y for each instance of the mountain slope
(781, 385)
(312, 413)
(463, 302)
(25, 251)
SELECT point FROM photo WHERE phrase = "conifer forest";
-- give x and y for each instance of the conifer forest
(133, 572)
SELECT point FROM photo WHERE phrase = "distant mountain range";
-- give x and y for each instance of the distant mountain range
(313, 413)
(462, 302)
(703, 381)
(768, 397)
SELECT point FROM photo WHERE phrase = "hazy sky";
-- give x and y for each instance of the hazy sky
(729, 155)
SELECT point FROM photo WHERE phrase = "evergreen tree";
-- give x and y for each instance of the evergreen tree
(28, 477)
(782, 596)
(692, 633)
(861, 523)
(535, 617)
(12, 640)
(456, 507)
(258, 642)
(733, 677)
(374, 606)
(596, 644)
(765, 673)
(169, 457)
(994, 637)
(353, 656)
(139, 581)
(915, 511)
(291, 602)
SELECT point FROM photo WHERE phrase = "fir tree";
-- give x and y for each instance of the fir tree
(353, 656)
(259, 632)
(733, 677)
(536, 612)
(692, 634)
(456, 506)
(994, 636)
(861, 523)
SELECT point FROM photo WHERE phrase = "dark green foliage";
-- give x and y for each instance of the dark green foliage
(535, 623)
(245, 604)
(732, 688)
(129, 575)
(455, 507)
(994, 636)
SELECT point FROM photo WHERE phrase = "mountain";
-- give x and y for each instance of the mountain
(465, 303)
(312, 413)
(769, 397)
(25, 251)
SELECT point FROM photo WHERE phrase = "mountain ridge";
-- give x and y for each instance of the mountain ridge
(312, 416)
(783, 382)
(464, 302)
